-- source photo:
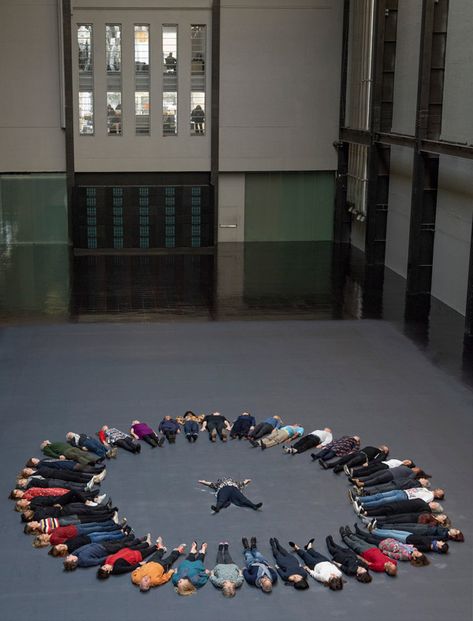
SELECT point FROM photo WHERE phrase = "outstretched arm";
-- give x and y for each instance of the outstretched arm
(208, 483)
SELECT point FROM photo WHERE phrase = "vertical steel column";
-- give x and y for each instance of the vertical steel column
(69, 110)
(342, 220)
(425, 169)
(215, 112)
(469, 304)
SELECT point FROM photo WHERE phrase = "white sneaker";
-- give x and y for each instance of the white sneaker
(98, 499)
(90, 484)
(115, 517)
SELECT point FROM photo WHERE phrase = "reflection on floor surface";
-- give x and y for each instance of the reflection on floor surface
(253, 281)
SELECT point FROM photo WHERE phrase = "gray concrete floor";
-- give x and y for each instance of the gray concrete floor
(357, 377)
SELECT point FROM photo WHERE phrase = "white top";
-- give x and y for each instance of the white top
(419, 492)
(393, 463)
(324, 571)
(325, 436)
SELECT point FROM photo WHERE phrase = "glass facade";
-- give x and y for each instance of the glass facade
(197, 103)
(113, 60)
(142, 80)
(86, 79)
(170, 72)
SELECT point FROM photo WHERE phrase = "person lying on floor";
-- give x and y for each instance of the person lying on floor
(346, 445)
(64, 464)
(157, 570)
(264, 428)
(319, 566)
(128, 559)
(258, 571)
(62, 534)
(216, 424)
(63, 475)
(169, 427)
(226, 575)
(228, 491)
(417, 505)
(288, 567)
(191, 573)
(441, 533)
(37, 481)
(278, 436)
(400, 483)
(349, 562)
(46, 525)
(94, 554)
(142, 431)
(74, 543)
(61, 499)
(394, 549)
(418, 542)
(112, 437)
(372, 555)
(425, 517)
(64, 510)
(315, 439)
(363, 457)
(191, 426)
(378, 466)
(243, 426)
(376, 500)
(34, 492)
(60, 450)
(87, 443)
(395, 474)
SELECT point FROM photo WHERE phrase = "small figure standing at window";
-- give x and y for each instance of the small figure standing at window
(170, 63)
(198, 119)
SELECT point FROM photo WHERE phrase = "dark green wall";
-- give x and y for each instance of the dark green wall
(289, 206)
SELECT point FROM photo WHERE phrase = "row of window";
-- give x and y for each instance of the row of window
(142, 70)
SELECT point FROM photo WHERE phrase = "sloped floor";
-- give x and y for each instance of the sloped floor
(357, 377)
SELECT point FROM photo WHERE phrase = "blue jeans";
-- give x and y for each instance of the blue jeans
(383, 497)
(399, 535)
(95, 447)
(111, 535)
(253, 555)
(96, 527)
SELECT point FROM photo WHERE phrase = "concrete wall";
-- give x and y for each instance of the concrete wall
(31, 137)
(280, 75)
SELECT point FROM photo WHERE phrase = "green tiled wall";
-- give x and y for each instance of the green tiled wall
(289, 206)
(33, 208)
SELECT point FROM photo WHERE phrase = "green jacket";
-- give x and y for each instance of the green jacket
(55, 449)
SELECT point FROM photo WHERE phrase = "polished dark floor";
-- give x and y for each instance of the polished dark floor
(255, 281)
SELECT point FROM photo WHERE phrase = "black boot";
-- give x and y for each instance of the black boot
(253, 543)
(244, 541)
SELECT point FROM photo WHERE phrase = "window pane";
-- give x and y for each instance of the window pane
(169, 52)
(114, 113)
(198, 45)
(142, 112)
(142, 48)
(113, 47)
(84, 39)
(86, 113)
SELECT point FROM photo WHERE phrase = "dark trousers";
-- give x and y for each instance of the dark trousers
(194, 556)
(262, 429)
(365, 471)
(65, 475)
(151, 439)
(130, 541)
(223, 555)
(167, 562)
(231, 495)
(326, 454)
(401, 518)
(311, 557)
(65, 499)
(240, 429)
(78, 508)
(192, 437)
(86, 519)
(358, 459)
(128, 445)
(305, 443)
(217, 428)
(170, 436)
(89, 468)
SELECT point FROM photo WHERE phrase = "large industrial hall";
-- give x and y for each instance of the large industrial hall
(236, 310)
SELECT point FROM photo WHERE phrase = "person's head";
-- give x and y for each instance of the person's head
(41, 541)
(439, 493)
(59, 550)
(443, 519)
(16, 494)
(185, 587)
(327, 429)
(384, 449)
(70, 562)
(335, 583)
(300, 583)
(357, 438)
(266, 584)
(145, 584)
(104, 572)
(32, 462)
(441, 547)
(228, 588)
(420, 473)
(189, 413)
(424, 482)
(32, 528)
(135, 422)
(390, 568)
(104, 427)
(276, 416)
(363, 575)
(22, 505)
(245, 414)
(418, 559)
(27, 472)
(27, 515)
(167, 418)
(455, 534)
(69, 436)
(22, 482)
(435, 507)
(216, 414)
(408, 462)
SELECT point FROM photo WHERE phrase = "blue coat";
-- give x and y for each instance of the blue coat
(251, 574)
(168, 425)
(194, 571)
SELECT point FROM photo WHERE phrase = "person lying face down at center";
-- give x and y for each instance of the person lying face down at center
(228, 491)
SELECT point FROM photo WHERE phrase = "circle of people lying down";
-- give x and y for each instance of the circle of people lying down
(401, 518)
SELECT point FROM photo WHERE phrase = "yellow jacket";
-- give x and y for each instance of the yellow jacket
(155, 571)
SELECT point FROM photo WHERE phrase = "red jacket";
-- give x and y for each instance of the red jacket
(133, 557)
(376, 559)
(33, 492)
(62, 534)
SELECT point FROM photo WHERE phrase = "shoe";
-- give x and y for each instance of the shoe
(214, 509)
(285, 449)
(351, 496)
(161, 441)
(123, 522)
(244, 542)
(254, 443)
(346, 470)
(314, 456)
(292, 544)
(308, 545)
(98, 499)
(115, 517)
(90, 484)
(263, 446)
(101, 476)
(109, 504)
(341, 530)
(372, 525)
(253, 543)
(323, 464)
(258, 505)
(127, 529)
(114, 452)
